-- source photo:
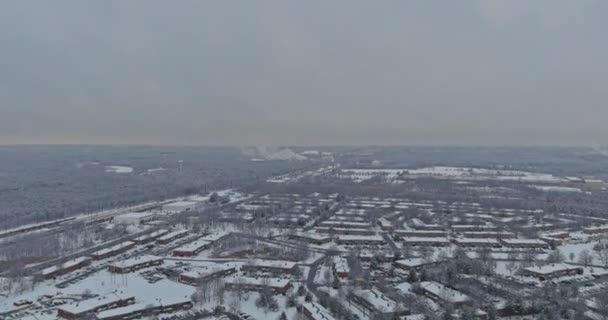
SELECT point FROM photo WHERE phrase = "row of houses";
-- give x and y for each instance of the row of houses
(596, 230)
(150, 237)
(443, 294)
(552, 271)
(270, 266)
(194, 248)
(443, 234)
(276, 285)
(102, 254)
(170, 237)
(134, 264)
(377, 305)
(345, 231)
(65, 268)
(206, 274)
(113, 251)
(341, 267)
(80, 310)
(135, 311)
(314, 311)
(477, 242)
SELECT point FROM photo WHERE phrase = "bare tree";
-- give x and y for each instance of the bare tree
(585, 258)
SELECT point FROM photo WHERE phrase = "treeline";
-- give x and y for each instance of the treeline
(40, 183)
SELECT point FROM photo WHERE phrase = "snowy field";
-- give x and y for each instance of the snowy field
(359, 175)
(119, 169)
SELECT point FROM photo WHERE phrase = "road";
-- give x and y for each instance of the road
(390, 242)
(310, 280)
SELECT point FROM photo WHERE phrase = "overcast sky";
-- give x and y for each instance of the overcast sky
(304, 72)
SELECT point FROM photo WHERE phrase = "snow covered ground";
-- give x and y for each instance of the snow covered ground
(119, 169)
(359, 175)
(556, 189)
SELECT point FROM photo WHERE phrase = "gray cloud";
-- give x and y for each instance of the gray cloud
(304, 72)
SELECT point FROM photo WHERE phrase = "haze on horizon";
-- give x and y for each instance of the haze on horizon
(289, 72)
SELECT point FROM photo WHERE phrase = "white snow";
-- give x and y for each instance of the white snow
(119, 169)
(556, 188)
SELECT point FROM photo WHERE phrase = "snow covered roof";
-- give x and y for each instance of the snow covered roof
(349, 223)
(412, 263)
(444, 292)
(374, 238)
(65, 265)
(208, 270)
(117, 247)
(524, 241)
(477, 240)
(89, 305)
(317, 311)
(193, 246)
(426, 239)
(273, 264)
(341, 265)
(551, 268)
(173, 234)
(312, 235)
(377, 299)
(140, 307)
(135, 261)
(151, 235)
(273, 282)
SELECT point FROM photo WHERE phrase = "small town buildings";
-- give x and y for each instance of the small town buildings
(385, 224)
(469, 228)
(170, 237)
(345, 224)
(443, 294)
(421, 233)
(150, 237)
(207, 273)
(423, 241)
(341, 267)
(380, 256)
(271, 266)
(360, 240)
(413, 263)
(524, 243)
(65, 268)
(134, 264)
(419, 225)
(551, 271)
(558, 235)
(277, 285)
(194, 248)
(556, 238)
(314, 311)
(22, 303)
(113, 251)
(596, 230)
(477, 243)
(345, 231)
(139, 310)
(377, 304)
(488, 235)
(82, 309)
